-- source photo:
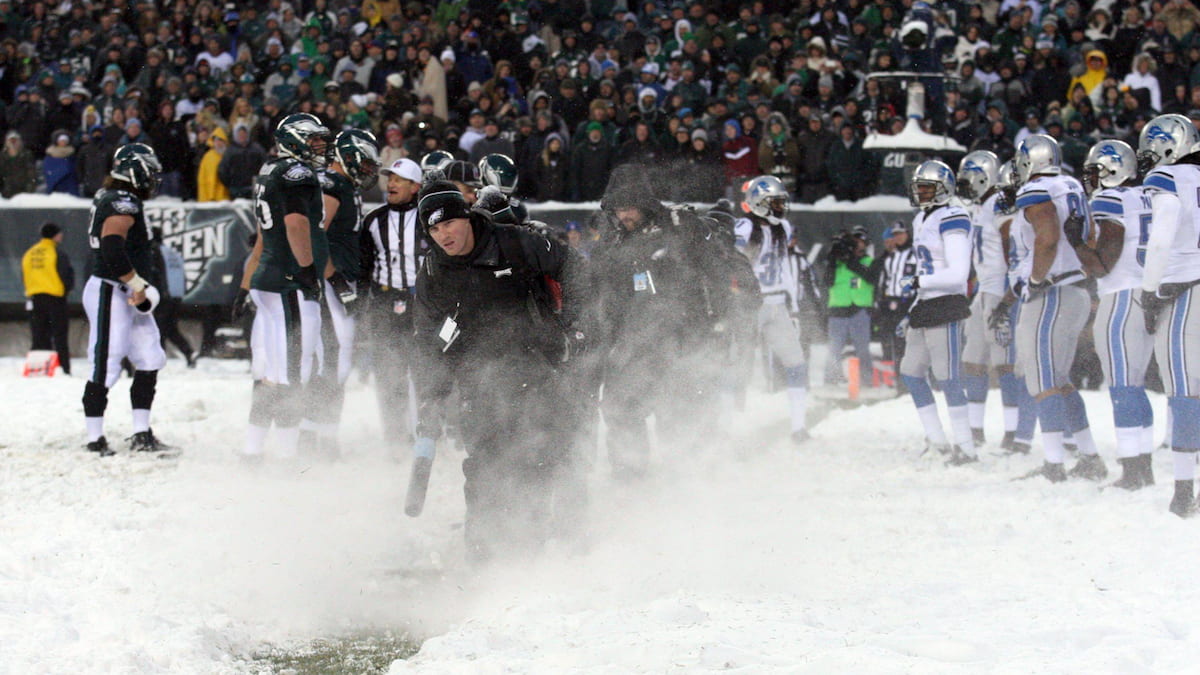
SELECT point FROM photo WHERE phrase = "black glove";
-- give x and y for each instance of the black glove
(575, 345)
(1006, 200)
(1036, 288)
(345, 290)
(1000, 323)
(1073, 230)
(1152, 307)
(242, 306)
(311, 286)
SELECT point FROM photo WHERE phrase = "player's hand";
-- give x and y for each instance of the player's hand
(242, 306)
(902, 328)
(1073, 230)
(1152, 307)
(1035, 288)
(910, 285)
(345, 289)
(136, 298)
(311, 286)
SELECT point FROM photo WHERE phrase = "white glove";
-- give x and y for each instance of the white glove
(151, 301)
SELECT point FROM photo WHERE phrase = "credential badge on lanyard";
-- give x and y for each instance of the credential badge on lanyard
(449, 331)
(643, 281)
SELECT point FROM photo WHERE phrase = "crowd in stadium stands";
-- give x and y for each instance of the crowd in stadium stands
(570, 89)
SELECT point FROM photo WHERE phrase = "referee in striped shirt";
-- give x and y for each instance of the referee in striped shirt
(393, 247)
(893, 302)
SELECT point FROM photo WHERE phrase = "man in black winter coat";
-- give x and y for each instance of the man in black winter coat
(240, 164)
(476, 327)
(659, 318)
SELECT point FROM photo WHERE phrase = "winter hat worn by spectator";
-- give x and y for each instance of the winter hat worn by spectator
(50, 230)
(448, 55)
(593, 126)
(440, 201)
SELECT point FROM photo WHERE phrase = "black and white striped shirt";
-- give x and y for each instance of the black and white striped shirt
(393, 246)
(897, 265)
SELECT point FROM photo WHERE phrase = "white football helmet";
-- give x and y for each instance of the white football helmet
(1165, 139)
(1109, 164)
(766, 196)
(936, 173)
(977, 173)
(1038, 154)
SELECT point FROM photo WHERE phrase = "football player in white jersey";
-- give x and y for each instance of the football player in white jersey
(763, 236)
(1056, 305)
(942, 239)
(1005, 315)
(1169, 281)
(1112, 248)
(978, 176)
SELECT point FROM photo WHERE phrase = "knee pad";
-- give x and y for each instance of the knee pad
(919, 389)
(95, 399)
(1128, 410)
(953, 389)
(1052, 413)
(141, 392)
(976, 387)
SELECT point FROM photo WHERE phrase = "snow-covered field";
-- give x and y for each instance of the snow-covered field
(849, 554)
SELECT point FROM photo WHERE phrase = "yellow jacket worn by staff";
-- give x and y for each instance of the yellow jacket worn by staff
(209, 187)
(40, 267)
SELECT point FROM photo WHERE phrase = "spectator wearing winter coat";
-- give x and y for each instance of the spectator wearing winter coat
(491, 143)
(996, 139)
(551, 171)
(1093, 78)
(591, 162)
(209, 187)
(739, 154)
(63, 114)
(28, 118)
(58, 168)
(1180, 16)
(1142, 77)
(702, 167)
(134, 133)
(812, 181)
(169, 138)
(92, 162)
(18, 173)
(852, 170)
(778, 153)
(240, 164)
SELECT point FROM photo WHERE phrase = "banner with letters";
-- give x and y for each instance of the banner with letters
(212, 238)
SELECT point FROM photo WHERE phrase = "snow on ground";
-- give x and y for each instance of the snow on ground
(849, 554)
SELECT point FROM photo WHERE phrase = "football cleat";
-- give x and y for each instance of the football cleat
(146, 441)
(100, 447)
(1146, 464)
(1051, 472)
(1006, 443)
(1131, 475)
(1183, 504)
(958, 457)
(800, 437)
(978, 436)
(1090, 467)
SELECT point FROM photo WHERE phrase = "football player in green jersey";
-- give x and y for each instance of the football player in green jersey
(287, 284)
(119, 301)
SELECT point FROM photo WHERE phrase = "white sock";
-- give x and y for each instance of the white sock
(798, 398)
(1185, 465)
(256, 436)
(1010, 418)
(1052, 446)
(975, 412)
(289, 442)
(1147, 442)
(1085, 442)
(932, 423)
(141, 420)
(961, 425)
(1130, 441)
(95, 428)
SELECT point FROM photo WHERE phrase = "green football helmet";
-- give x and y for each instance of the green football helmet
(358, 153)
(137, 165)
(500, 171)
(295, 138)
(435, 161)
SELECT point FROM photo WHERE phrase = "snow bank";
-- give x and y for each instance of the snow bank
(850, 553)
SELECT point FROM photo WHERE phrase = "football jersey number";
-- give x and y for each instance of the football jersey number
(768, 268)
(261, 210)
(1077, 206)
(926, 260)
(977, 231)
(1143, 237)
